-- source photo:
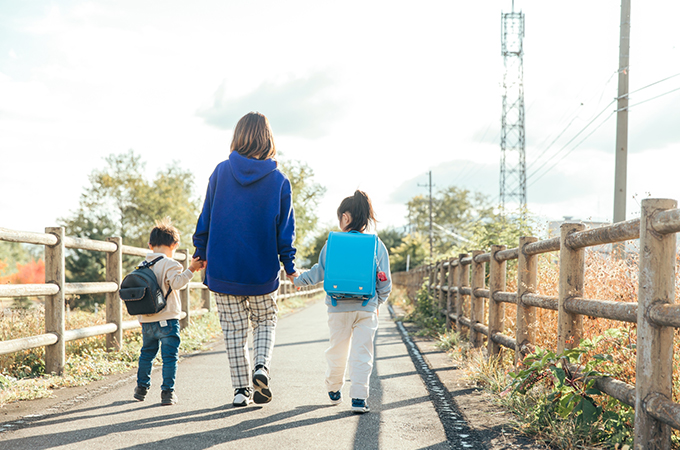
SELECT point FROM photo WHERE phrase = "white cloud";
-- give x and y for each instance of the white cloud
(299, 106)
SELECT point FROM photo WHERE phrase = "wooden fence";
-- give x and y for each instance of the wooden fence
(454, 280)
(56, 289)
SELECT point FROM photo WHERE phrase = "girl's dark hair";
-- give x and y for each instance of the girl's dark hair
(360, 208)
(253, 137)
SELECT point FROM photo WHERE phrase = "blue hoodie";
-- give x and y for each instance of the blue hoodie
(246, 225)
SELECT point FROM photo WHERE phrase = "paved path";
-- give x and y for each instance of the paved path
(402, 415)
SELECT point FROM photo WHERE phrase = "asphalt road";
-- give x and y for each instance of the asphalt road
(300, 416)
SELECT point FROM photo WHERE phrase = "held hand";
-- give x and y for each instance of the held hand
(293, 276)
(197, 264)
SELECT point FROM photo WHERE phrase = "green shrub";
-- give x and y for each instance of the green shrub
(558, 393)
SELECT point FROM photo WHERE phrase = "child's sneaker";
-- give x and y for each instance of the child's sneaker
(261, 383)
(336, 397)
(360, 406)
(168, 398)
(242, 396)
(140, 393)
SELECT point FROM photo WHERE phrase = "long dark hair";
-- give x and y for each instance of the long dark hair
(360, 208)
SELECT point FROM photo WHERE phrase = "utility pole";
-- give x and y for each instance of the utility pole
(430, 187)
(622, 116)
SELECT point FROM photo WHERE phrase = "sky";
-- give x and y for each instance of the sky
(372, 95)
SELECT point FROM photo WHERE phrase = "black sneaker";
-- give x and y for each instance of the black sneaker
(140, 393)
(168, 398)
(336, 397)
(242, 396)
(261, 384)
(360, 406)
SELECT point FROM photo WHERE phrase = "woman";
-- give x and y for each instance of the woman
(246, 227)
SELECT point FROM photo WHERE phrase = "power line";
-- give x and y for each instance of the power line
(574, 148)
(575, 116)
(551, 144)
(571, 140)
(652, 84)
(568, 125)
(596, 128)
(660, 95)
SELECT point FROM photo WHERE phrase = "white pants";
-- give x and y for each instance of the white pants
(352, 336)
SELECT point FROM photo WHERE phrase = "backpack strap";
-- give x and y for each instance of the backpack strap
(149, 264)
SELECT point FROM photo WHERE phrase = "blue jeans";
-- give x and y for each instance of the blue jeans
(168, 338)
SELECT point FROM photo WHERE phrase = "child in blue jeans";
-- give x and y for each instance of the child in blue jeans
(162, 329)
(352, 324)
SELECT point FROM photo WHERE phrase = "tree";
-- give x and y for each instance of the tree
(13, 253)
(501, 229)
(317, 243)
(306, 197)
(454, 212)
(120, 201)
(391, 237)
(414, 248)
(33, 272)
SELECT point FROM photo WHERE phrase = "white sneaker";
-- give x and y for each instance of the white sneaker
(242, 396)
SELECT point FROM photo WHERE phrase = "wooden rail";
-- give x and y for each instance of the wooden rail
(655, 313)
(56, 289)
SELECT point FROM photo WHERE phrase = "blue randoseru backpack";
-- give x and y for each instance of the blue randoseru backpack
(351, 266)
(140, 290)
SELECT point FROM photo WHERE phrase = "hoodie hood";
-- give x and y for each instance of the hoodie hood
(248, 171)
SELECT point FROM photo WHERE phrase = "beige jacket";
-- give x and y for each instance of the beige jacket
(169, 274)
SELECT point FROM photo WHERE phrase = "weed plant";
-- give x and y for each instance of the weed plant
(425, 314)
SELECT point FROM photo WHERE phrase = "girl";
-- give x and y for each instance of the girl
(352, 325)
(246, 227)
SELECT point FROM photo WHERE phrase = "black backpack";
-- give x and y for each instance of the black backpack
(140, 290)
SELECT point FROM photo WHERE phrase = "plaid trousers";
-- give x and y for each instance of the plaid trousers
(234, 312)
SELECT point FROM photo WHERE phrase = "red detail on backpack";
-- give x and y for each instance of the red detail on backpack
(382, 276)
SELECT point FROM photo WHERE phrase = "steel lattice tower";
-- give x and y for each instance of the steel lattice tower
(513, 182)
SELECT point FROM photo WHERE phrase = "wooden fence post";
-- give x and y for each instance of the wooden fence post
(450, 298)
(55, 354)
(496, 309)
(434, 292)
(441, 304)
(184, 293)
(114, 306)
(463, 281)
(205, 294)
(572, 273)
(525, 333)
(476, 303)
(654, 366)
